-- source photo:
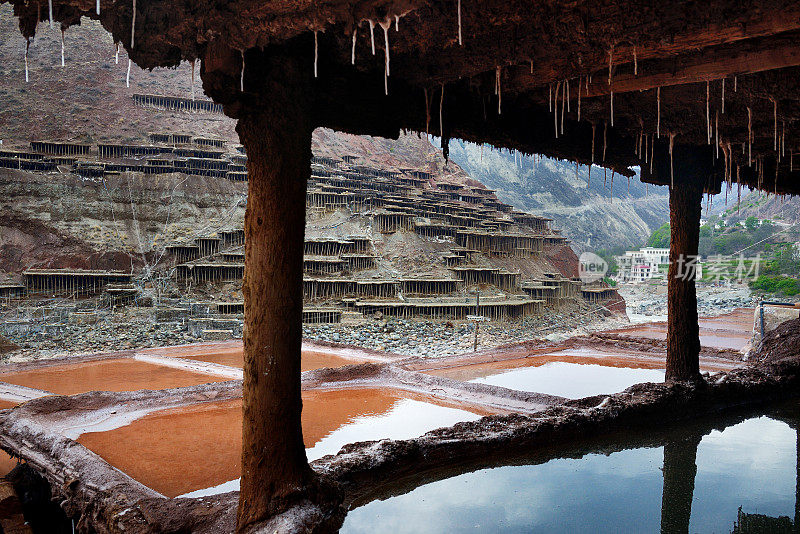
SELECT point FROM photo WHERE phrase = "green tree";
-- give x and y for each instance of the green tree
(660, 238)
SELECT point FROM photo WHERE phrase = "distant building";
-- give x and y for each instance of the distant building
(638, 266)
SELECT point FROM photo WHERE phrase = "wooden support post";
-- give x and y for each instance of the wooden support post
(683, 331)
(277, 136)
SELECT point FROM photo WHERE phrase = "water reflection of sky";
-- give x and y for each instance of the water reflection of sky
(572, 380)
(752, 464)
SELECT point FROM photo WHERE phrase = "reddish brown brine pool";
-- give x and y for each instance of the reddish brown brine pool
(182, 450)
(106, 375)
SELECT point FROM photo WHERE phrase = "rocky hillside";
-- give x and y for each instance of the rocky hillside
(590, 216)
(88, 101)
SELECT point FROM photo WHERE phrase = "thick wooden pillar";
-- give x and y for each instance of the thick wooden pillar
(680, 469)
(277, 135)
(683, 332)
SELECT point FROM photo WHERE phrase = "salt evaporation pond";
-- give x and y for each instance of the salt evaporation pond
(572, 373)
(196, 450)
(752, 465)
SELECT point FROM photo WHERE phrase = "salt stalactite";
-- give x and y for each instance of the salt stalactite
(27, 46)
(460, 42)
(397, 23)
(62, 47)
(372, 34)
(555, 107)
(50, 12)
(645, 148)
(658, 119)
(563, 100)
(353, 52)
(97, 7)
(579, 100)
(652, 153)
(605, 140)
(498, 89)
(316, 52)
(133, 24)
(708, 112)
(241, 75)
(749, 137)
(723, 96)
(427, 111)
(116, 55)
(610, 62)
(635, 63)
(775, 130)
(128, 75)
(385, 25)
(193, 65)
(611, 93)
(671, 168)
(441, 107)
(735, 83)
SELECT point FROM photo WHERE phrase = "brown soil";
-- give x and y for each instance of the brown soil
(107, 375)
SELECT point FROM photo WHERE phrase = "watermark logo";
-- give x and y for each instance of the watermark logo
(592, 267)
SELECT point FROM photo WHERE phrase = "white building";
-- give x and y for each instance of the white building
(638, 266)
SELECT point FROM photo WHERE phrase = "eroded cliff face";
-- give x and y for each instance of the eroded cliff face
(66, 221)
(588, 214)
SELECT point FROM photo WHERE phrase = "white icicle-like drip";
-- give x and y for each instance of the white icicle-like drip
(49, 12)
(775, 130)
(353, 51)
(193, 65)
(555, 107)
(133, 24)
(498, 90)
(658, 119)
(460, 42)
(27, 46)
(612, 107)
(116, 55)
(397, 23)
(316, 52)
(241, 76)
(128, 75)
(372, 34)
(97, 7)
(563, 107)
(671, 168)
(62, 47)
(441, 121)
(385, 25)
(749, 137)
(708, 112)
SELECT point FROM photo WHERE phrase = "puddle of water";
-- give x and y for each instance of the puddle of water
(730, 331)
(572, 373)
(106, 375)
(309, 360)
(752, 465)
(572, 380)
(183, 450)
